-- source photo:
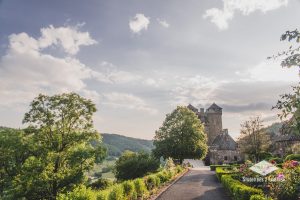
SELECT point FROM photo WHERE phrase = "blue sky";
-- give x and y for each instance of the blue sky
(139, 59)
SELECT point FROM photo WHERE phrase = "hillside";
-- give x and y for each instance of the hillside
(116, 144)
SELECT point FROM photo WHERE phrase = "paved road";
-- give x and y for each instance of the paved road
(198, 184)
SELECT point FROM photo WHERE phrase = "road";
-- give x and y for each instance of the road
(198, 184)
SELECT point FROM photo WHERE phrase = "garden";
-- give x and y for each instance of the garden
(244, 184)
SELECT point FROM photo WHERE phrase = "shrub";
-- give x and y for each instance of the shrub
(79, 193)
(152, 182)
(134, 165)
(101, 184)
(140, 188)
(292, 157)
(169, 164)
(103, 194)
(129, 190)
(259, 197)
(162, 177)
(220, 171)
(213, 167)
(238, 190)
(178, 169)
(117, 193)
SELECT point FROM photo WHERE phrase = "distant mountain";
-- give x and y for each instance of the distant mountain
(116, 144)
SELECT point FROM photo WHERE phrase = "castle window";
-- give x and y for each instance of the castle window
(235, 158)
(225, 158)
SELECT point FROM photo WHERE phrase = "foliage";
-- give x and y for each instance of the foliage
(259, 197)
(213, 167)
(79, 193)
(140, 188)
(117, 193)
(129, 190)
(292, 56)
(289, 104)
(59, 135)
(15, 149)
(253, 139)
(133, 165)
(101, 184)
(275, 160)
(220, 171)
(169, 164)
(292, 157)
(117, 144)
(238, 190)
(264, 155)
(287, 186)
(181, 136)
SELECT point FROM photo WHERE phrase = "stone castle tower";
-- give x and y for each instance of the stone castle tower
(212, 119)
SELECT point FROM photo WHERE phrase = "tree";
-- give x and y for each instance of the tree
(133, 165)
(60, 127)
(14, 151)
(253, 139)
(181, 136)
(289, 104)
(292, 56)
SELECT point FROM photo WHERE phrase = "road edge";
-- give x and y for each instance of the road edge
(163, 189)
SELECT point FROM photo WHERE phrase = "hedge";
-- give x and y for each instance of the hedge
(220, 171)
(260, 197)
(139, 188)
(213, 167)
(292, 157)
(238, 190)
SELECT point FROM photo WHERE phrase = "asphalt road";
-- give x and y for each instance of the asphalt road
(197, 184)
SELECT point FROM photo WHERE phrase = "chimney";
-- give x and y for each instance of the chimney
(225, 131)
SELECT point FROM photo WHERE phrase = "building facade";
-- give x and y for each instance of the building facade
(222, 148)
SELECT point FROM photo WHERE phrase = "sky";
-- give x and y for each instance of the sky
(138, 59)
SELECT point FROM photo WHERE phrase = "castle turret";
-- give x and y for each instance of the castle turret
(214, 122)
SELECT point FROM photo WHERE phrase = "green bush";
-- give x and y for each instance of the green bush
(79, 193)
(152, 182)
(129, 190)
(292, 157)
(101, 184)
(220, 171)
(238, 190)
(117, 193)
(259, 197)
(135, 165)
(162, 177)
(103, 194)
(264, 155)
(140, 188)
(213, 167)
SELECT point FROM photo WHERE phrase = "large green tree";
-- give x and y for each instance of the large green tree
(181, 136)
(61, 134)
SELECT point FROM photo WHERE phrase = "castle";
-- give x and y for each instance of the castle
(222, 148)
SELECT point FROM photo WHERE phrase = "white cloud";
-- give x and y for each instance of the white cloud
(67, 37)
(220, 17)
(164, 23)
(138, 23)
(26, 71)
(128, 101)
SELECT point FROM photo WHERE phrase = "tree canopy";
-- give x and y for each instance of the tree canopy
(181, 136)
(253, 139)
(59, 134)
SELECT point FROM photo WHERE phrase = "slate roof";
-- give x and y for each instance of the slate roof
(214, 107)
(290, 137)
(224, 142)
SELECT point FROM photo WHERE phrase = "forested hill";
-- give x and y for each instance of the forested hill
(116, 144)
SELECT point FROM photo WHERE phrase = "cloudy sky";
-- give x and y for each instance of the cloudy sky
(139, 59)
